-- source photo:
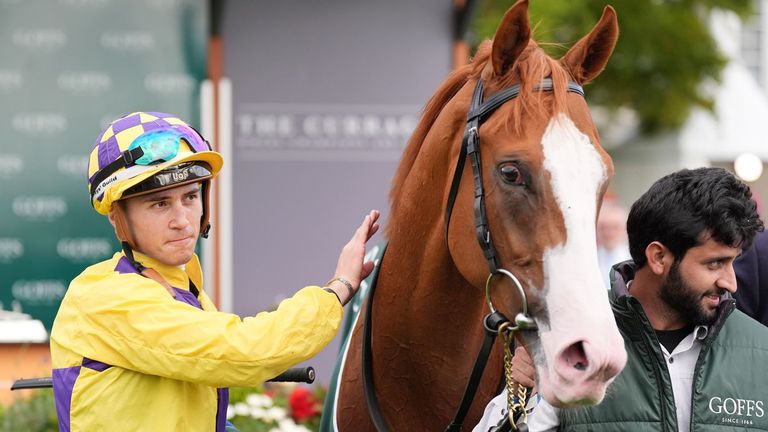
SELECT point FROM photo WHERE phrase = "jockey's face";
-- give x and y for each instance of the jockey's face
(166, 224)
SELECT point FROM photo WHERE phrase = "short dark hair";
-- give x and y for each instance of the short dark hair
(683, 209)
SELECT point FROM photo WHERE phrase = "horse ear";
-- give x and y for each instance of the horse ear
(588, 57)
(511, 37)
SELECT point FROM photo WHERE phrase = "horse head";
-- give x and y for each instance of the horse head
(543, 174)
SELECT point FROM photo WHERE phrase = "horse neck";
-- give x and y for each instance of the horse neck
(423, 300)
(427, 326)
(427, 318)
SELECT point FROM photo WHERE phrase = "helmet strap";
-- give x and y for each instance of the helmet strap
(128, 251)
(122, 230)
(205, 223)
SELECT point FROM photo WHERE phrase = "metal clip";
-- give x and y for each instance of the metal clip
(473, 138)
(523, 321)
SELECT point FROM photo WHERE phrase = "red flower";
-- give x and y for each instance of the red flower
(303, 404)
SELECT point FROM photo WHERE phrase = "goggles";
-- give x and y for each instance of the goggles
(156, 146)
(150, 148)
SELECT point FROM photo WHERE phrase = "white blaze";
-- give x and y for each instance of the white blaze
(573, 289)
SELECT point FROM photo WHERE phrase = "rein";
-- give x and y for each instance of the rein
(495, 323)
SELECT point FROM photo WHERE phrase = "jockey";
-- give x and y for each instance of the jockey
(137, 343)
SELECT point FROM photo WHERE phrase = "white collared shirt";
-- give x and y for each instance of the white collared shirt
(681, 363)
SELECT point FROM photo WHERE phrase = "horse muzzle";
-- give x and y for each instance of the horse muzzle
(581, 369)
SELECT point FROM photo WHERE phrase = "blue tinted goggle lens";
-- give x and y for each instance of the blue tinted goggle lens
(158, 146)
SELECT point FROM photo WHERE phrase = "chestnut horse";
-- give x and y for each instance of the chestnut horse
(542, 174)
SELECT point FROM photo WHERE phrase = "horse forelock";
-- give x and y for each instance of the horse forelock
(532, 66)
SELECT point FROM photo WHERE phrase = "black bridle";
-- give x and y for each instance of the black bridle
(470, 146)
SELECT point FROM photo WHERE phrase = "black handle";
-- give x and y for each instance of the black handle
(32, 383)
(305, 375)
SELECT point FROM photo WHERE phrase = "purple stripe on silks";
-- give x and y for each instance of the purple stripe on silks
(108, 151)
(95, 365)
(126, 122)
(124, 266)
(187, 297)
(221, 410)
(63, 383)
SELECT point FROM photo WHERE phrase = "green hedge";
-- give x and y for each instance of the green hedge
(34, 414)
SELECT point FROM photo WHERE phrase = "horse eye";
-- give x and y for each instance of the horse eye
(512, 175)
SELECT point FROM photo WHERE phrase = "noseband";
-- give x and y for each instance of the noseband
(479, 111)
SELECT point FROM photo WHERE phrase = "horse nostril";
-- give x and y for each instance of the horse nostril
(575, 356)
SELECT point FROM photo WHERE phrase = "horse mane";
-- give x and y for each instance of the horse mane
(532, 66)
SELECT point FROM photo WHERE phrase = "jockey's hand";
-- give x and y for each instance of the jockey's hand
(522, 367)
(350, 266)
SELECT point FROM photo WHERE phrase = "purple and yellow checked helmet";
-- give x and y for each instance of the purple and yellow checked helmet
(142, 152)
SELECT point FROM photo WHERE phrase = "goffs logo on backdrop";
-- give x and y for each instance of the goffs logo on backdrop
(168, 83)
(42, 291)
(128, 41)
(42, 38)
(46, 208)
(10, 79)
(10, 249)
(735, 410)
(10, 165)
(39, 123)
(87, 81)
(83, 249)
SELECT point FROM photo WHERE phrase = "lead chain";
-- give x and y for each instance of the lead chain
(513, 408)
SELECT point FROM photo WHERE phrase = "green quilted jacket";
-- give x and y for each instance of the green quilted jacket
(730, 388)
